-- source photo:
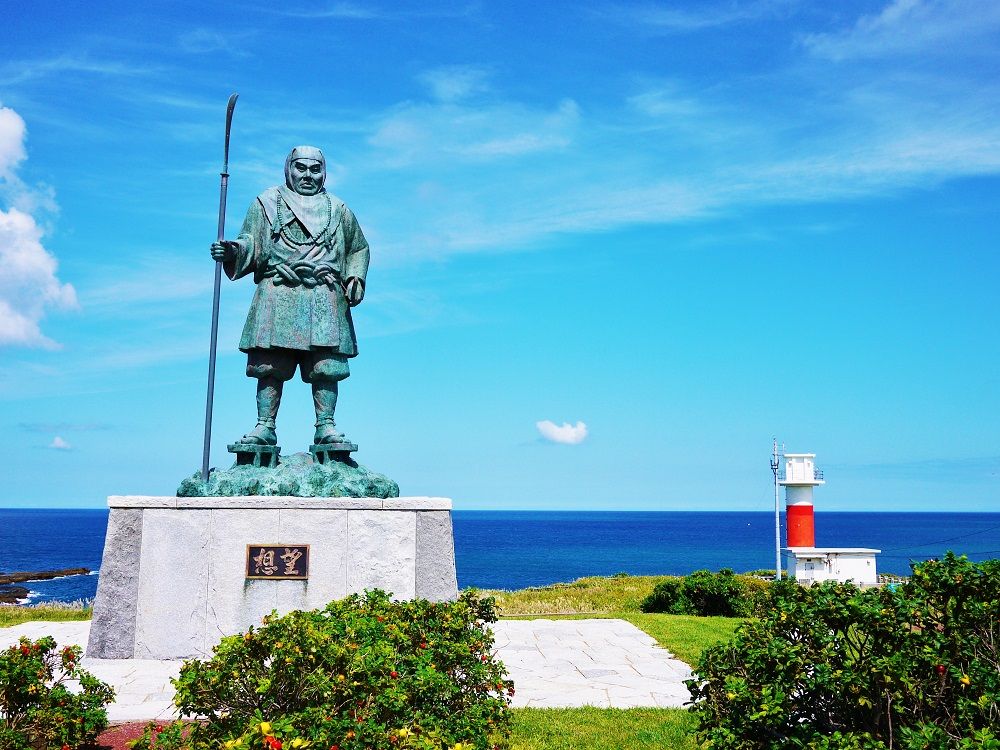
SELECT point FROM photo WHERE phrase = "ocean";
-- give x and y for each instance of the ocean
(516, 549)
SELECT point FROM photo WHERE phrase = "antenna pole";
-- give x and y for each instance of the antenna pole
(777, 512)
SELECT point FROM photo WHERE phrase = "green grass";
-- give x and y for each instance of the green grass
(586, 595)
(16, 615)
(685, 636)
(602, 729)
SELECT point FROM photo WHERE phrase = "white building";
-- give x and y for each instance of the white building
(816, 564)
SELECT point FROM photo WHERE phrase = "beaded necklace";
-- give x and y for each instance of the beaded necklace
(311, 240)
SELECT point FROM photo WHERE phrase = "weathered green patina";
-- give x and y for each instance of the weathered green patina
(295, 476)
(309, 260)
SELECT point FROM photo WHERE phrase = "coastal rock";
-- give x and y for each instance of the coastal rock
(13, 594)
(10, 594)
(296, 476)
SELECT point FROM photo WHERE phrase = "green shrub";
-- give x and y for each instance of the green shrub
(37, 709)
(714, 594)
(363, 673)
(710, 594)
(665, 597)
(834, 666)
(756, 595)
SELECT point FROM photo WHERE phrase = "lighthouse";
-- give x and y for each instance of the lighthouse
(812, 563)
(799, 478)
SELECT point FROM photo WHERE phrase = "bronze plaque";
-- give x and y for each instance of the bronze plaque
(286, 562)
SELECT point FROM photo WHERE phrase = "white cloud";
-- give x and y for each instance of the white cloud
(450, 133)
(505, 174)
(662, 17)
(12, 131)
(371, 12)
(204, 41)
(566, 433)
(455, 82)
(22, 71)
(911, 27)
(59, 444)
(28, 285)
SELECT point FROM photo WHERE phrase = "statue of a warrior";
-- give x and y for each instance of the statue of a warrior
(309, 260)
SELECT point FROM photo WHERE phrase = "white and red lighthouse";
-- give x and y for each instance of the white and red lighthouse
(799, 478)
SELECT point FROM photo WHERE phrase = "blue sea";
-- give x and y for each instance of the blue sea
(510, 550)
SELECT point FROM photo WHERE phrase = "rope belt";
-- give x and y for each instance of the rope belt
(304, 273)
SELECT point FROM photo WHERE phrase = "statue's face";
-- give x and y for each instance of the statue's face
(307, 176)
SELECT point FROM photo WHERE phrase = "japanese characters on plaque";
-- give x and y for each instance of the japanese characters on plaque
(278, 561)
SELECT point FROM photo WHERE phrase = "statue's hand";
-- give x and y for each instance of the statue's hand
(223, 251)
(354, 290)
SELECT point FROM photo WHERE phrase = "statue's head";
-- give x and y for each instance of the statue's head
(305, 170)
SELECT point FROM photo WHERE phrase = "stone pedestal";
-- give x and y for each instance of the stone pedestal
(173, 580)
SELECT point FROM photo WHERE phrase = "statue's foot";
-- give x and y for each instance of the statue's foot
(262, 434)
(326, 432)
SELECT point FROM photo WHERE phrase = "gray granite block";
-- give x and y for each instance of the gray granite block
(417, 503)
(325, 531)
(382, 552)
(436, 577)
(174, 575)
(235, 603)
(113, 633)
(173, 584)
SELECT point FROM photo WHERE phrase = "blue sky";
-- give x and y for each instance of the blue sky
(688, 226)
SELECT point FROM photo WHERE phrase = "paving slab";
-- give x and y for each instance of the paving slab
(553, 663)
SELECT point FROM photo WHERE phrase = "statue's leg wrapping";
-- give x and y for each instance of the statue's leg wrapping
(271, 367)
(326, 372)
(325, 400)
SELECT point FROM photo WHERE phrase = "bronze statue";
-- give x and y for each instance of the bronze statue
(309, 260)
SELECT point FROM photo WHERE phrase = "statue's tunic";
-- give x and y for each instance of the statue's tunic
(299, 302)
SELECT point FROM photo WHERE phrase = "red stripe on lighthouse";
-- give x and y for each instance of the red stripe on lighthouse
(801, 532)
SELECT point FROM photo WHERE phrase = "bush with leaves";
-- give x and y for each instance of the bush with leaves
(38, 708)
(665, 597)
(708, 594)
(365, 672)
(834, 666)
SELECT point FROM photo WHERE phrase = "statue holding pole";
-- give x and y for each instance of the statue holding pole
(309, 258)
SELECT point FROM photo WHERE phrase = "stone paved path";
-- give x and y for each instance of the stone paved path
(554, 663)
(607, 663)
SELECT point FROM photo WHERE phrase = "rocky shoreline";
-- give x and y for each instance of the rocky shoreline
(13, 594)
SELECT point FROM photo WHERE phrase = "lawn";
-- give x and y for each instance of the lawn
(16, 615)
(602, 729)
(584, 596)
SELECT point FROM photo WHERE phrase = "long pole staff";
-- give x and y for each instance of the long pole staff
(210, 399)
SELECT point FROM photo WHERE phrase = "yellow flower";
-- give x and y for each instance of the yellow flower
(966, 680)
(403, 733)
(265, 727)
